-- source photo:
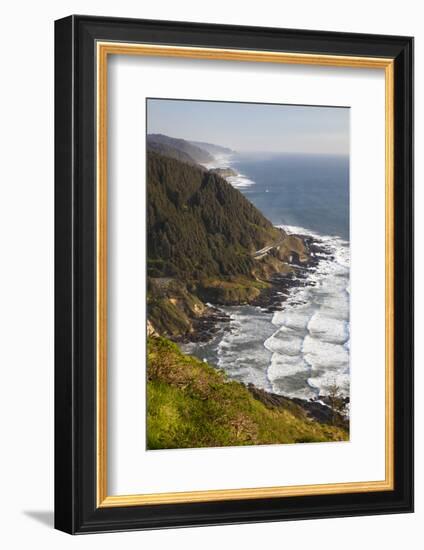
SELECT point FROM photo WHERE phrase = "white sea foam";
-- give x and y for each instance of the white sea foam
(220, 161)
(295, 318)
(318, 317)
(241, 352)
(304, 349)
(240, 181)
(283, 366)
(328, 378)
(323, 355)
(328, 328)
(285, 342)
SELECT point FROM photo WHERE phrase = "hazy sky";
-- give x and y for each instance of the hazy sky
(253, 127)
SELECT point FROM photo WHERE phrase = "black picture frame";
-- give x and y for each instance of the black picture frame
(76, 510)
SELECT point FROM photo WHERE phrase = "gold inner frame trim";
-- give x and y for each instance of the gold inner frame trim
(103, 50)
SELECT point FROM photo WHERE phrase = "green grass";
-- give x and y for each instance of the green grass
(191, 404)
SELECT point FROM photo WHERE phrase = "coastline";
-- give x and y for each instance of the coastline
(284, 287)
(281, 285)
(192, 404)
(271, 300)
(316, 409)
(242, 325)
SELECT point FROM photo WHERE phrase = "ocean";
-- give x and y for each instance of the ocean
(303, 349)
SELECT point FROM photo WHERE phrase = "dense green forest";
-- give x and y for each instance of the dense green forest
(207, 244)
(202, 236)
(198, 224)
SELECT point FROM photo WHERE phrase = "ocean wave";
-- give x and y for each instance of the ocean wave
(320, 354)
(285, 341)
(329, 378)
(295, 318)
(240, 181)
(283, 366)
(328, 328)
(302, 350)
(318, 317)
(220, 161)
(241, 352)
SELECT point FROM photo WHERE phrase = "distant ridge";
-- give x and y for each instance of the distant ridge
(188, 152)
(212, 148)
(170, 152)
(199, 225)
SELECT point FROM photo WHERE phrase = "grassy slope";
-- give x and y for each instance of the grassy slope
(191, 404)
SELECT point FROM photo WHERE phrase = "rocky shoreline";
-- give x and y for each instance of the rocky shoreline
(314, 408)
(282, 285)
(206, 326)
(270, 299)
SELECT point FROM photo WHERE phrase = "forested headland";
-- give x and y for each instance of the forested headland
(208, 246)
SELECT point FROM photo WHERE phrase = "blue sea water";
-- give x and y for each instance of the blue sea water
(303, 349)
(310, 191)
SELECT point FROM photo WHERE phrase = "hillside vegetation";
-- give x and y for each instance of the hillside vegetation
(212, 148)
(192, 151)
(207, 244)
(191, 404)
(198, 224)
(170, 152)
(202, 235)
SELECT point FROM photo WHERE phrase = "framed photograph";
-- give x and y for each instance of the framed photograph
(233, 274)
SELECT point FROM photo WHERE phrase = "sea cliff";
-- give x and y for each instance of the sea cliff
(208, 244)
(208, 247)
